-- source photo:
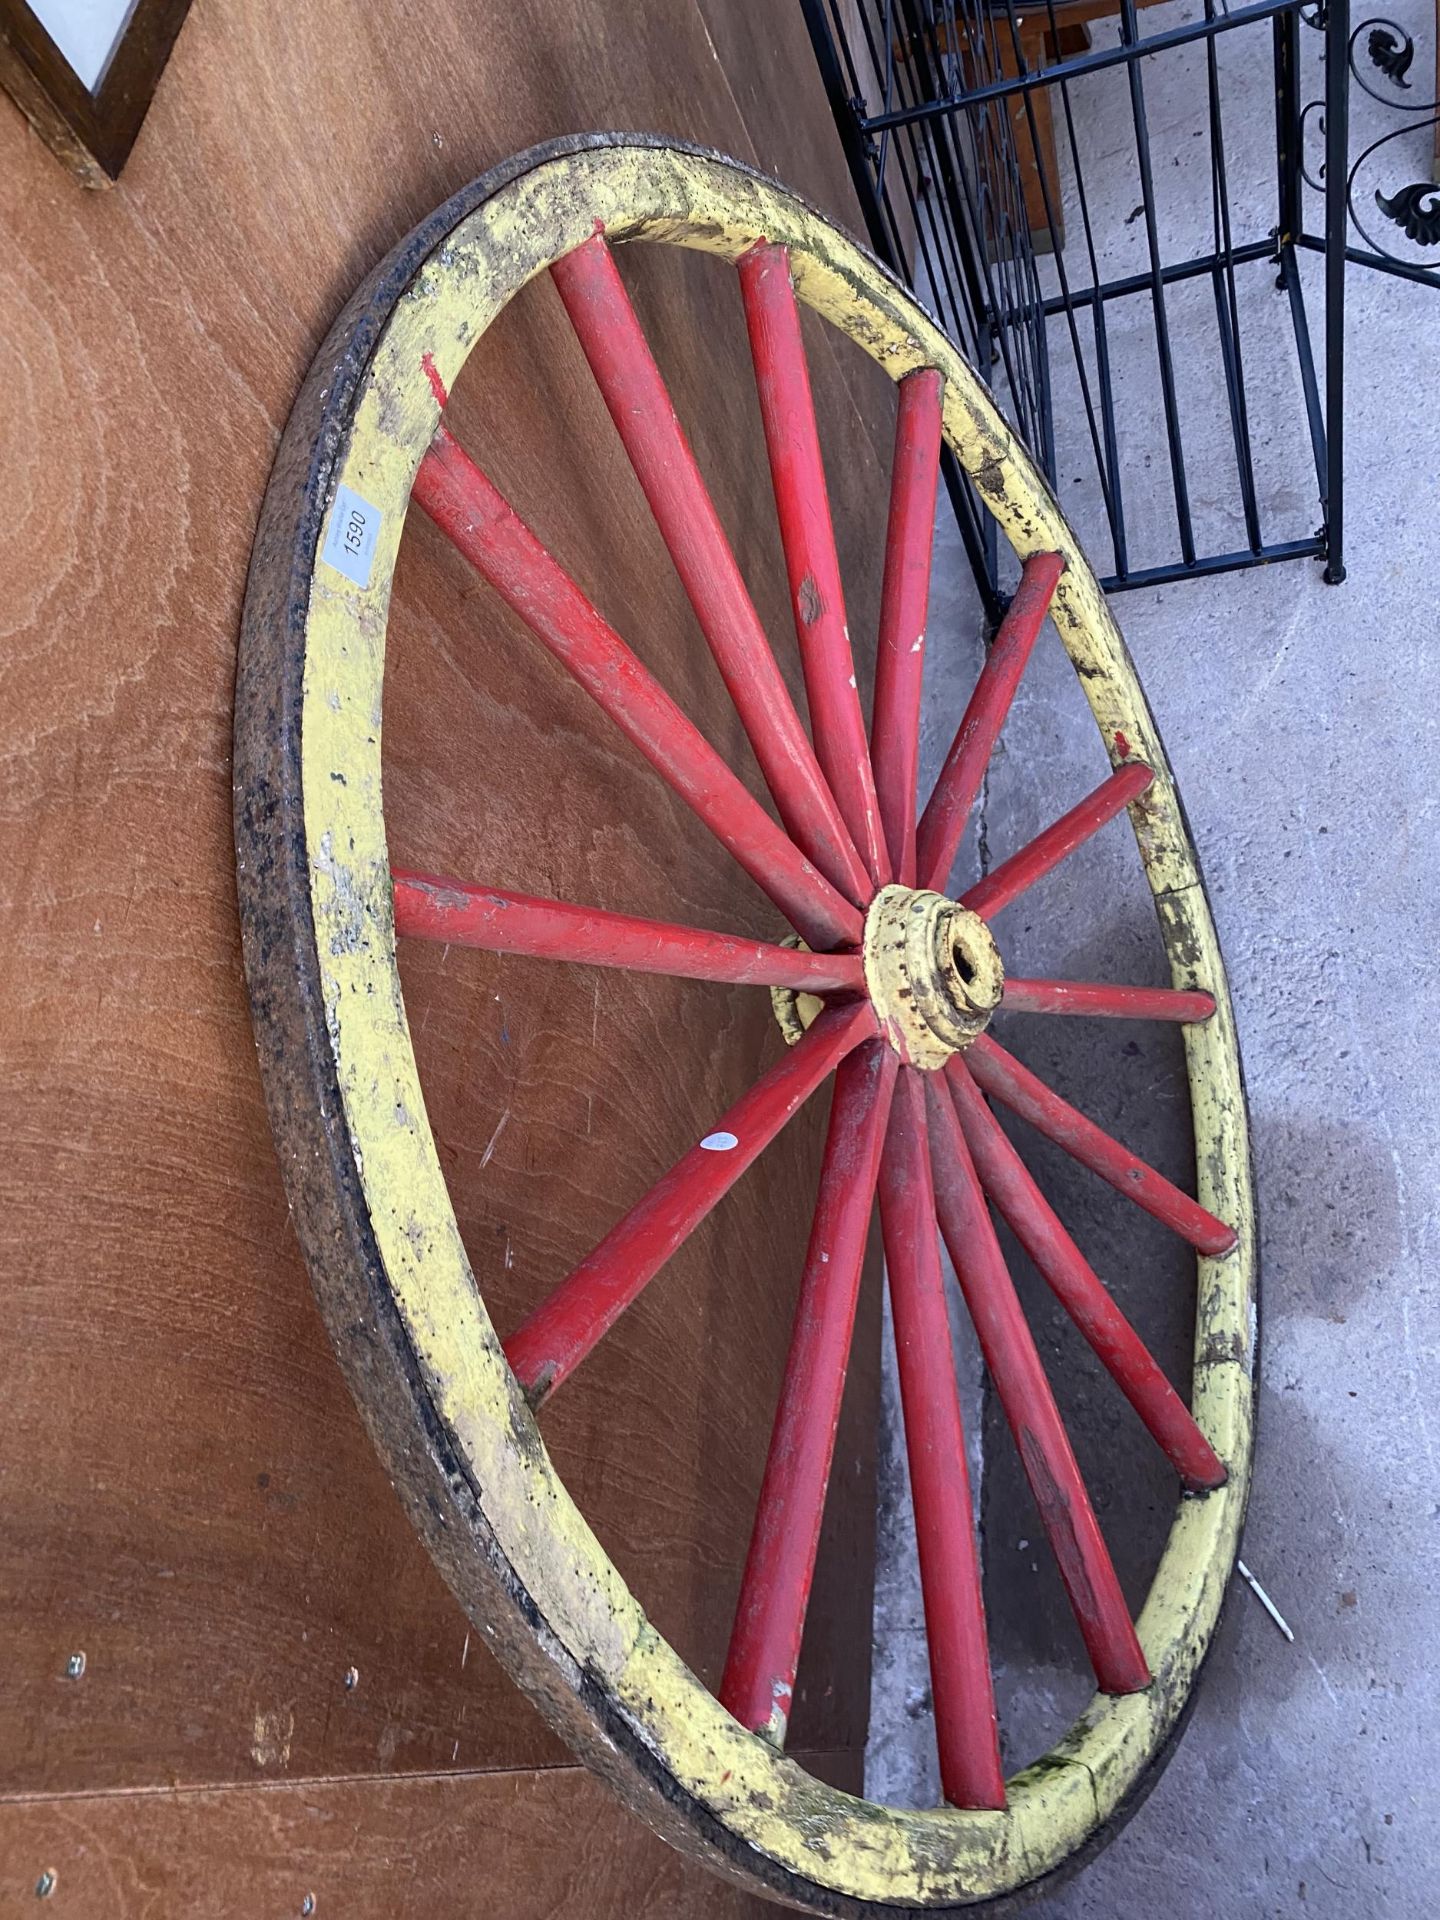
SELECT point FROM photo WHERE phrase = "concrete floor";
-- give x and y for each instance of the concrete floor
(1302, 723)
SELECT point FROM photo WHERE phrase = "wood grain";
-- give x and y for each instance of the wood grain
(528, 1846)
(185, 1490)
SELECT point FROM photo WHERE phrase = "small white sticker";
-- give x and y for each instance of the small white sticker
(350, 538)
(719, 1142)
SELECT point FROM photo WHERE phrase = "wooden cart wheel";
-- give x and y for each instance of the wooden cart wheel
(889, 983)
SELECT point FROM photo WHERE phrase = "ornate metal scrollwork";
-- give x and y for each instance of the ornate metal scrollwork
(1317, 108)
(1416, 209)
(1390, 55)
(1390, 50)
(1380, 55)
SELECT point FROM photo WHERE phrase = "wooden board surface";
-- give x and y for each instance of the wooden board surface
(516, 1846)
(186, 1494)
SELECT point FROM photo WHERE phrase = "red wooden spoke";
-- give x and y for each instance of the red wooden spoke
(1003, 1078)
(553, 1341)
(965, 1725)
(427, 908)
(759, 1677)
(1116, 1003)
(1011, 1187)
(1062, 837)
(614, 344)
(782, 379)
(463, 503)
(904, 605)
(1034, 1419)
(954, 793)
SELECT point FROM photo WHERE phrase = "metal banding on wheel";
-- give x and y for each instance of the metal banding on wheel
(365, 1183)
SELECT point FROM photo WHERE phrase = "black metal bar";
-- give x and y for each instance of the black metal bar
(954, 243)
(932, 252)
(1363, 257)
(1227, 305)
(1288, 177)
(977, 529)
(1022, 251)
(967, 219)
(979, 538)
(1214, 563)
(1305, 352)
(1128, 34)
(1118, 538)
(1337, 213)
(969, 214)
(1042, 174)
(1179, 270)
(1019, 220)
(1111, 476)
(1226, 321)
(1083, 63)
(976, 536)
(951, 171)
(998, 211)
(849, 125)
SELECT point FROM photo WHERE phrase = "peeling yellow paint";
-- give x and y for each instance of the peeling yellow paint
(903, 1857)
(795, 1010)
(933, 973)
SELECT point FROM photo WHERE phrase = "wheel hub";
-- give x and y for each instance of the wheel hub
(932, 971)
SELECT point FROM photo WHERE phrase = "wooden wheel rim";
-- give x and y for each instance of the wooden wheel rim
(364, 1178)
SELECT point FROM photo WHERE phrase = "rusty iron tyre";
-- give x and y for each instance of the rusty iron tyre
(452, 1410)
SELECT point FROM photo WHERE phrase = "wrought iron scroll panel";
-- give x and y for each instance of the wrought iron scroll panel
(1393, 217)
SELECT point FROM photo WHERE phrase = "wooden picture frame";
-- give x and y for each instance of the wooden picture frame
(92, 132)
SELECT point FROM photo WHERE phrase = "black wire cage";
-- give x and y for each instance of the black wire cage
(985, 136)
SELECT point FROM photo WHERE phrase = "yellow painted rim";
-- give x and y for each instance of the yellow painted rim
(893, 1857)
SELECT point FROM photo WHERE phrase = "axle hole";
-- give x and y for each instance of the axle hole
(962, 961)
